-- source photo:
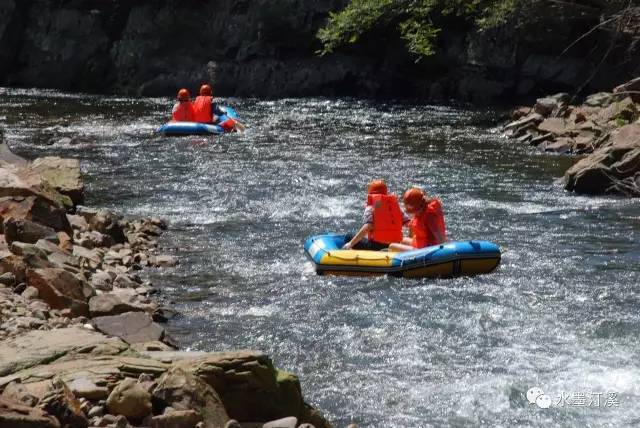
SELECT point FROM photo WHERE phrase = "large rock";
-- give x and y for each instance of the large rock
(116, 303)
(39, 347)
(14, 415)
(129, 399)
(24, 230)
(36, 209)
(20, 181)
(61, 289)
(181, 390)
(132, 327)
(615, 161)
(64, 175)
(250, 388)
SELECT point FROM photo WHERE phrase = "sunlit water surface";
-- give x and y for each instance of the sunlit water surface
(561, 313)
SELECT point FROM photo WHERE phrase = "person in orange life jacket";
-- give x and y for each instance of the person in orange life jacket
(206, 110)
(182, 109)
(427, 222)
(383, 220)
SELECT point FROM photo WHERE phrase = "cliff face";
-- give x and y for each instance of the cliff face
(267, 48)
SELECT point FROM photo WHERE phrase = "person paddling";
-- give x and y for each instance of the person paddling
(427, 223)
(206, 110)
(383, 220)
(183, 109)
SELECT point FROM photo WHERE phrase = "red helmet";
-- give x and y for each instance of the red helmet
(183, 95)
(205, 90)
(377, 187)
(413, 199)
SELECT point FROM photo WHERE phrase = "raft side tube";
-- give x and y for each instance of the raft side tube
(446, 260)
(179, 129)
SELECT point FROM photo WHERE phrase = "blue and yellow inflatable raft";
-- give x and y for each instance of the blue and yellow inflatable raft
(180, 129)
(460, 258)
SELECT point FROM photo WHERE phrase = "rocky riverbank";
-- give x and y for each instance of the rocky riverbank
(81, 337)
(603, 133)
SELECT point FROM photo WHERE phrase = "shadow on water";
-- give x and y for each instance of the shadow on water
(561, 313)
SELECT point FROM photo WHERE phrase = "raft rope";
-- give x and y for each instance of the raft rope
(356, 258)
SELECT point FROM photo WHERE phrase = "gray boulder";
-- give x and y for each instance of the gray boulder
(132, 327)
(114, 304)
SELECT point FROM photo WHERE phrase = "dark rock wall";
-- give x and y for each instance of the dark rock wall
(267, 48)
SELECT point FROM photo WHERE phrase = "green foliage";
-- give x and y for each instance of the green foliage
(349, 24)
(414, 20)
(621, 121)
(496, 15)
(419, 36)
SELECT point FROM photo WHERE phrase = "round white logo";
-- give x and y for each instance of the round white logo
(533, 394)
(536, 396)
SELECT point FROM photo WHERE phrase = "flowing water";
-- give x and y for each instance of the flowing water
(561, 313)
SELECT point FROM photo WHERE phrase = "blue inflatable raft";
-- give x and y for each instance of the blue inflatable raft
(460, 258)
(178, 129)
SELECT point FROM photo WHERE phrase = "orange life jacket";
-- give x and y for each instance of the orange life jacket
(202, 109)
(428, 226)
(182, 112)
(387, 218)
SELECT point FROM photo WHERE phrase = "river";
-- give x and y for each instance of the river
(561, 313)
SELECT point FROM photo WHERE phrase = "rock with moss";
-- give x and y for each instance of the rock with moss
(62, 174)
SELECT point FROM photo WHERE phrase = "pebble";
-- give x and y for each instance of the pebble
(30, 293)
(96, 411)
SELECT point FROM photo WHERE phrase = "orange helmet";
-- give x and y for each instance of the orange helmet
(183, 95)
(413, 198)
(205, 90)
(377, 186)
